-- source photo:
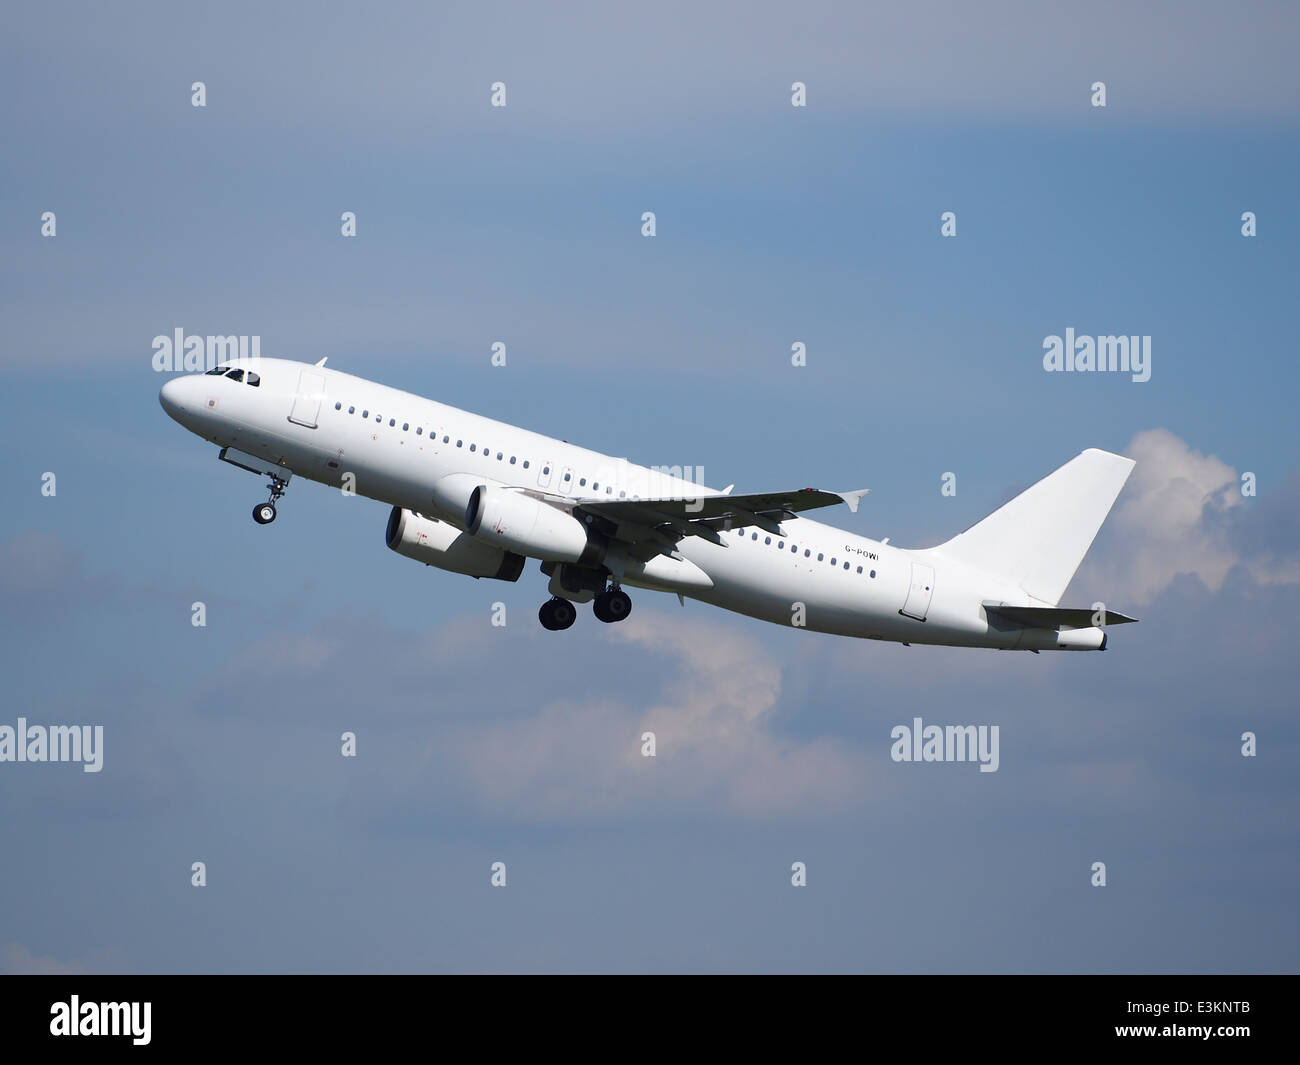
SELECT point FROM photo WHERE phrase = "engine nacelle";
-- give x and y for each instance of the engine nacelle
(516, 522)
(436, 543)
(450, 494)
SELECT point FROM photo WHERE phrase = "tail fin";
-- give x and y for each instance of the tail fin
(1040, 537)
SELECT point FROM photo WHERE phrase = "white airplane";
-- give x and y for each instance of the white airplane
(478, 497)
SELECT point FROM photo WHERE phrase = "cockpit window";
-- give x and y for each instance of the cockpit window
(236, 375)
(253, 379)
(217, 370)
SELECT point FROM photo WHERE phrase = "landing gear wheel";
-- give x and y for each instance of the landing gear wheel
(264, 513)
(613, 605)
(557, 614)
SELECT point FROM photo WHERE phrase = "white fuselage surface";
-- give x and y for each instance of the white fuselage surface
(539, 497)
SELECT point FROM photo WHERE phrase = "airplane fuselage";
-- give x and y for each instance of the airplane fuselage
(426, 457)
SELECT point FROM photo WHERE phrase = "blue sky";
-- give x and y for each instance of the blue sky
(775, 225)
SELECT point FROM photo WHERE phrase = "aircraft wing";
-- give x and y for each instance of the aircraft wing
(657, 524)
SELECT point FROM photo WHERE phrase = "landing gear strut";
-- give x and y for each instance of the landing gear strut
(557, 614)
(612, 605)
(264, 513)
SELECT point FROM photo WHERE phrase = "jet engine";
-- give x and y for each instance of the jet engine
(521, 523)
(436, 543)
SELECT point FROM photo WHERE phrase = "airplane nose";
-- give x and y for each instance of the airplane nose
(170, 398)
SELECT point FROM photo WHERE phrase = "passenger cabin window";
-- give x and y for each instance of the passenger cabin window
(447, 440)
(236, 375)
(406, 426)
(352, 410)
(365, 414)
(419, 431)
(338, 406)
(525, 464)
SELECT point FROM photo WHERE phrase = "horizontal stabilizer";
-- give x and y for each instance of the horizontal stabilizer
(1053, 617)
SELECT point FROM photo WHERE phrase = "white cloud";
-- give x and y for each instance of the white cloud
(712, 719)
(18, 961)
(1167, 522)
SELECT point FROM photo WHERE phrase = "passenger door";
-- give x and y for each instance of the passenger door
(306, 404)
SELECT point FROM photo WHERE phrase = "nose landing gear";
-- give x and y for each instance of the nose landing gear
(264, 513)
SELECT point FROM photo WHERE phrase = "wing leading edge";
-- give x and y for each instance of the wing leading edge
(707, 515)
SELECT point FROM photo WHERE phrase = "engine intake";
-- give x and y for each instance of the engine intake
(436, 543)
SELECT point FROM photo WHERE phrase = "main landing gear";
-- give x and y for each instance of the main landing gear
(611, 605)
(557, 614)
(264, 513)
